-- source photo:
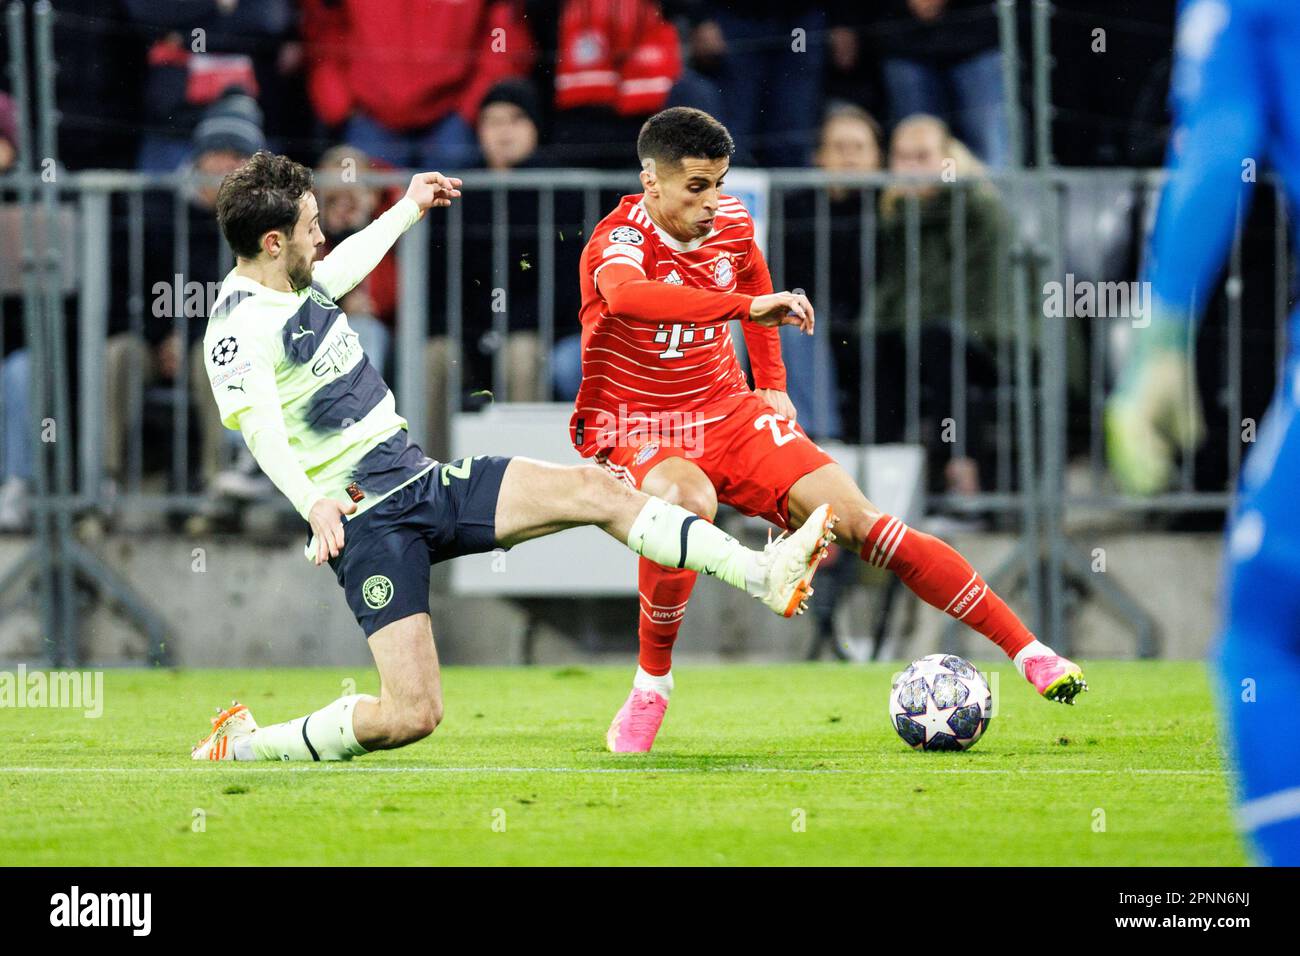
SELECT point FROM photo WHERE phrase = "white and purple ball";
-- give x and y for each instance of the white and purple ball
(940, 702)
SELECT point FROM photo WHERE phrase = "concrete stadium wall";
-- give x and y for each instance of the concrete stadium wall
(251, 604)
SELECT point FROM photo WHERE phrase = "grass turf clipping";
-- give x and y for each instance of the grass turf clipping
(769, 765)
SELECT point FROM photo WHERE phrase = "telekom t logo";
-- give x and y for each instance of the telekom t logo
(678, 334)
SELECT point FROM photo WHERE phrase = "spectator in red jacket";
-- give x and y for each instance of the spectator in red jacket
(616, 63)
(406, 76)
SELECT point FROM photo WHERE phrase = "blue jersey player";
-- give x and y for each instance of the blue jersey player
(1236, 96)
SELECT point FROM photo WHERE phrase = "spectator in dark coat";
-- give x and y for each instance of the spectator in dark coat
(824, 374)
(508, 139)
(923, 146)
(945, 60)
(200, 50)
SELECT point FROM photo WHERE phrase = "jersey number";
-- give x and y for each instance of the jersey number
(773, 422)
(452, 470)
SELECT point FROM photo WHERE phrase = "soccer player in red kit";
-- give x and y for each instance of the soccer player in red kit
(666, 407)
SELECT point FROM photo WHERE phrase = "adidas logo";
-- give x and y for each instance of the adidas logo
(673, 278)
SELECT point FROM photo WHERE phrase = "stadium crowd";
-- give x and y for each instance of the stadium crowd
(199, 85)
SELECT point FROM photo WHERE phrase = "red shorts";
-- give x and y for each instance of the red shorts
(752, 455)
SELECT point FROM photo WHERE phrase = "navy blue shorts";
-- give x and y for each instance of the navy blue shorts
(388, 550)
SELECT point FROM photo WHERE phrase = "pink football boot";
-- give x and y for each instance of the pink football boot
(1055, 677)
(635, 725)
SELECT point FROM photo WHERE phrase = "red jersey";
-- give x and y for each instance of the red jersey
(654, 350)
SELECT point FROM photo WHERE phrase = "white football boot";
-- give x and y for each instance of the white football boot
(791, 561)
(230, 724)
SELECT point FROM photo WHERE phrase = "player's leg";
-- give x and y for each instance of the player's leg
(936, 573)
(1258, 668)
(1258, 655)
(384, 571)
(664, 591)
(408, 708)
(409, 705)
(536, 498)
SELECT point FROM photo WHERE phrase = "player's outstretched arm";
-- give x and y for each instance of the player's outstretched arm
(631, 296)
(354, 258)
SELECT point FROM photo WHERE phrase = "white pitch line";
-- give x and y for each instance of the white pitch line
(811, 771)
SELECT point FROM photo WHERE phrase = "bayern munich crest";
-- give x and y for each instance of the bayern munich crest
(722, 271)
(645, 453)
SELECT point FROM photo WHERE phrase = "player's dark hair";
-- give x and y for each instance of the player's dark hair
(261, 195)
(682, 132)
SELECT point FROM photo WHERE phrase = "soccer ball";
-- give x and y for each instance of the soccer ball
(940, 702)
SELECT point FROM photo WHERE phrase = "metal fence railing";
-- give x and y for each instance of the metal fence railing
(918, 345)
(958, 326)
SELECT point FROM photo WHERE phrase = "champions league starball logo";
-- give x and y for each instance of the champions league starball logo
(223, 353)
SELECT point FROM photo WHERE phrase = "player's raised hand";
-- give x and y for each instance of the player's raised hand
(326, 523)
(432, 189)
(1154, 413)
(783, 308)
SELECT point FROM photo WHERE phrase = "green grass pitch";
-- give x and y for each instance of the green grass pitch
(781, 765)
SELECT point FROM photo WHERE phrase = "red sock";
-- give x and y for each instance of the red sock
(664, 593)
(942, 578)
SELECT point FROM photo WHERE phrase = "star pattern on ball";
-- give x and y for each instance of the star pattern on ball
(935, 721)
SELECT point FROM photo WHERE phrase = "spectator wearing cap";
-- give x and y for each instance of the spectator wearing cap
(508, 125)
(229, 132)
(404, 80)
(140, 359)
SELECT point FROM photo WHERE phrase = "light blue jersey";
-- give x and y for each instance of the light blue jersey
(1236, 93)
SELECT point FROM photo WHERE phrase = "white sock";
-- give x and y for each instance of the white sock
(755, 574)
(324, 735)
(1034, 648)
(671, 536)
(663, 686)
